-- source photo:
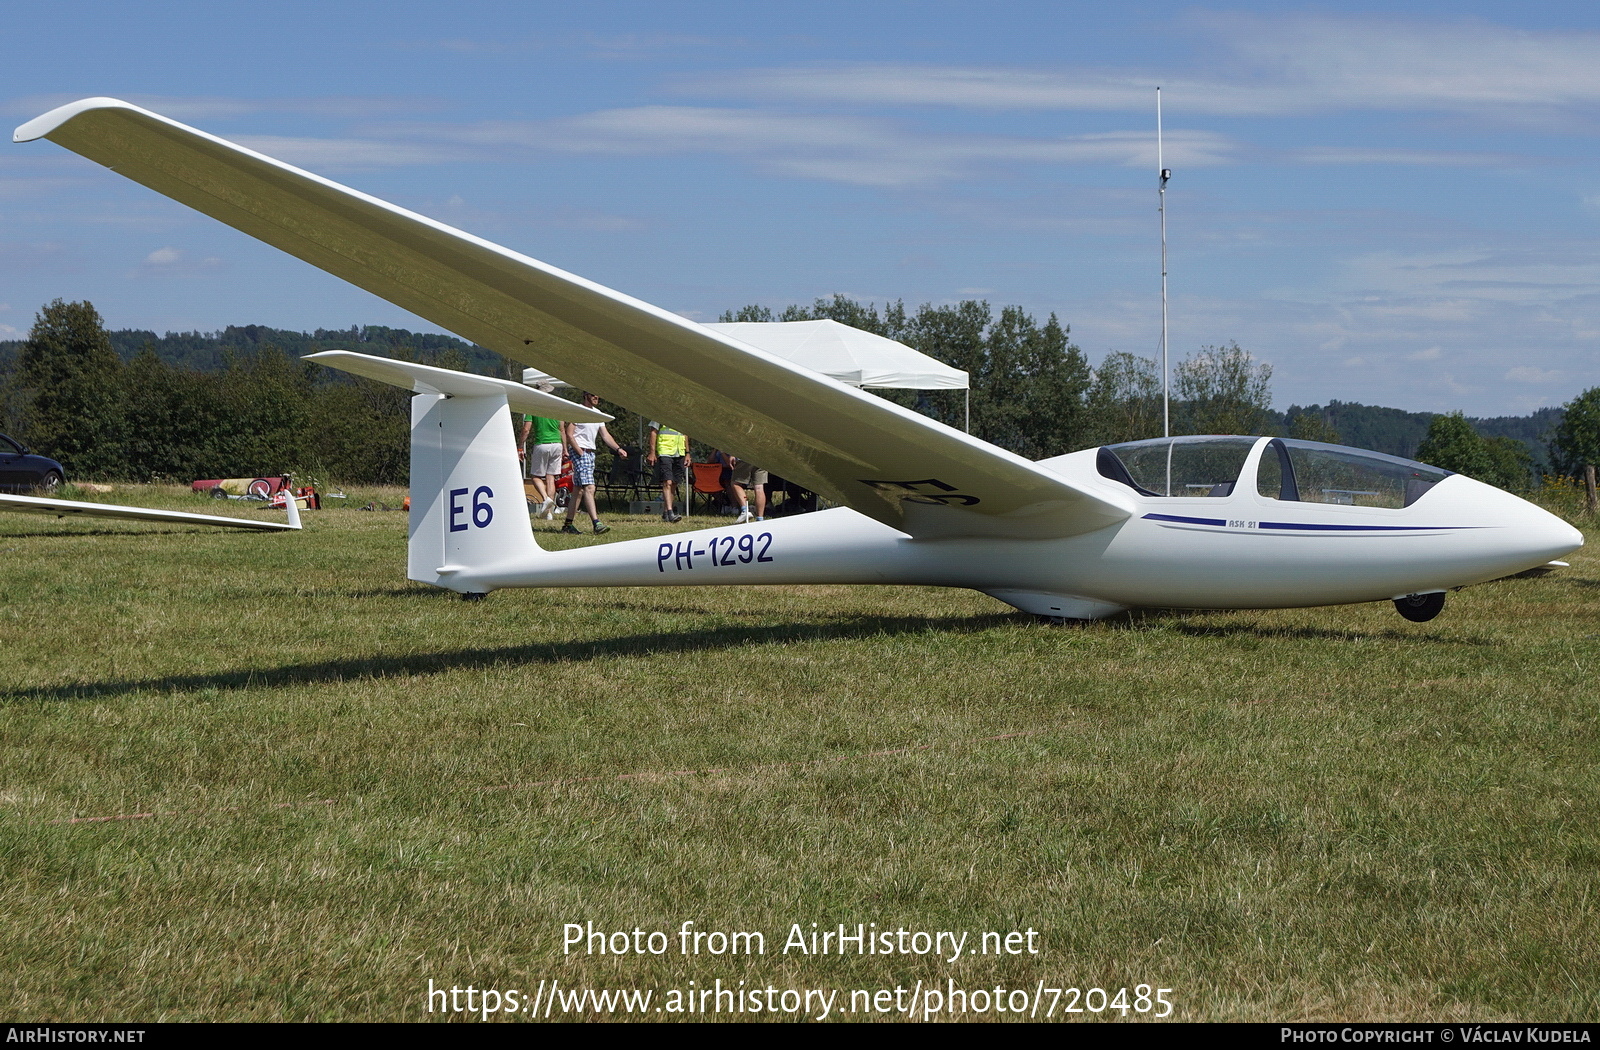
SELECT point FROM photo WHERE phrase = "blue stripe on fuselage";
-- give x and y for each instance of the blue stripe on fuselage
(1293, 526)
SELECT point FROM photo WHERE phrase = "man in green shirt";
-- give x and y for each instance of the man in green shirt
(542, 461)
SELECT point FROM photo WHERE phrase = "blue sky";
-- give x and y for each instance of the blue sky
(1389, 203)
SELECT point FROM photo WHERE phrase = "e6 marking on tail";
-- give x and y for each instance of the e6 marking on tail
(482, 513)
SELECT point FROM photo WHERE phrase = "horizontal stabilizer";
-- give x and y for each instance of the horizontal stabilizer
(426, 379)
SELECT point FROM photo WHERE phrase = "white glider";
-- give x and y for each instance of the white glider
(60, 508)
(1195, 523)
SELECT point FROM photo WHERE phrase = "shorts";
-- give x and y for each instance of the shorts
(747, 475)
(545, 460)
(583, 468)
(669, 468)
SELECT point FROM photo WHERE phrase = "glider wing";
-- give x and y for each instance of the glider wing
(856, 449)
(60, 508)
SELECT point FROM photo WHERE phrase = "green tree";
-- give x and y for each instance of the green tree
(68, 382)
(753, 312)
(360, 432)
(267, 397)
(1123, 401)
(1223, 390)
(1031, 383)
(1575, 446)
(1451, 443)
(174, 421)
(891, 324)
(1576, 440)
(1510, 463)
(1311, 425)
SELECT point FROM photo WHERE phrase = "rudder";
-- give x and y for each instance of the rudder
(468, 511)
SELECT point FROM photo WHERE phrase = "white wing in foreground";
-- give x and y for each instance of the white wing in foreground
(889, 463)
(58, 508)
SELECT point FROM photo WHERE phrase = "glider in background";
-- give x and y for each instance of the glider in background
(1190, 522)
(60, 508)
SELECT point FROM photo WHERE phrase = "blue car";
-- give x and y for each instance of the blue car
(23, 472)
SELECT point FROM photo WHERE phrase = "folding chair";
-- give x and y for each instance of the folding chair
(708, 485)
(625, 476)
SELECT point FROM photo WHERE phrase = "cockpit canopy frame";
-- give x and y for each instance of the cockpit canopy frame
(1210, 466)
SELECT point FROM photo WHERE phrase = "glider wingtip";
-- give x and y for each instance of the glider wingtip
(41, 126)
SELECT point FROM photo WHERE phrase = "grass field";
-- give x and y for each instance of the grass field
(337, 786)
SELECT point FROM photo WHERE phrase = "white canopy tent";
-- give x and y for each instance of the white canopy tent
(849, 355)
(533, 377)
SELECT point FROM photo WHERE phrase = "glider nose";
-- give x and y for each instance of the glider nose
(1541, 535)
(1563, 538)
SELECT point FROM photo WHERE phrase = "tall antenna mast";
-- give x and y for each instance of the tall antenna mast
(1163, 174)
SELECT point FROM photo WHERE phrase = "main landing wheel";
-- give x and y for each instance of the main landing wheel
(1420, 608)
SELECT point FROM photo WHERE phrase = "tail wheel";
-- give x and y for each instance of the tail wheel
(1420, 608)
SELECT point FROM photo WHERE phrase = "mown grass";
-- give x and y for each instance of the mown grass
(360, 784)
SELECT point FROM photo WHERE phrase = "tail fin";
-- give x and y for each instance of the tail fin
(469, 520)
(468, 512)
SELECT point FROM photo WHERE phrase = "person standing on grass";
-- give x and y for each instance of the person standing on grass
(669, 454)
(580, 439)
(747, 476)
(543, 459)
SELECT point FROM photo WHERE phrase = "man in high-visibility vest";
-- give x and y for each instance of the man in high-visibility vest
(669, 452)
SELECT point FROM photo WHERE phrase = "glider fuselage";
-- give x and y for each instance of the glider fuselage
(1244, 550)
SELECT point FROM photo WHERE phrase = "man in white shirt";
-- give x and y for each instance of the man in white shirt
(580, 438)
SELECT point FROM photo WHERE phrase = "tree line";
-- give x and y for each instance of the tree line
(184, 405)
(67, 393)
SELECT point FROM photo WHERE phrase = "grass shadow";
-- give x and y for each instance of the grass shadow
(737, 637)
(1182, 621)
(130, 530)
(399, 590)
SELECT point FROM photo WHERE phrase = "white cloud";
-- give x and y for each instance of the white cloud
(190, 108)
(1530, 374)
(1460, 284)
(858, 150)
(1433, 353)
(347, 154)
(1274, 66)
(1369, 155)
(1471, 67)
(168, 263)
